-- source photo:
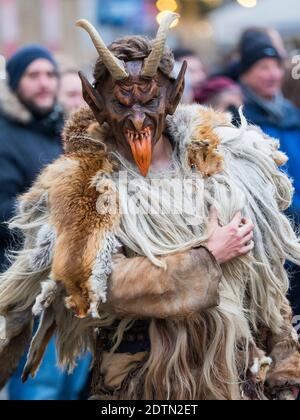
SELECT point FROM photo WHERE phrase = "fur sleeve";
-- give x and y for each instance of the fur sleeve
(188, 286)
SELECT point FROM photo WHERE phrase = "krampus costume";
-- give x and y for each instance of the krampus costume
(139, 288)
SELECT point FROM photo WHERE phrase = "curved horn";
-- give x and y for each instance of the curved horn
(112, 63)
(152, 62)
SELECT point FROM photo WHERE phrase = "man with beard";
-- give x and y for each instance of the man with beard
(158, 241)
(30, 128)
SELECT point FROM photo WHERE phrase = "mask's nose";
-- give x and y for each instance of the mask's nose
(138, 120)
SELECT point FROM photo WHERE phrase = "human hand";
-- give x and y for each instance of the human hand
(231, 241)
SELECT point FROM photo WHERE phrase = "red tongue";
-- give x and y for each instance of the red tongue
(142, 153)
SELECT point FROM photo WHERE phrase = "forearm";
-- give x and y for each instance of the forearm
(188, 285)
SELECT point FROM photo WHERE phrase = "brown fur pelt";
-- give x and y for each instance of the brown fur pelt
(81, 233)
(69, 189)
(203, 154)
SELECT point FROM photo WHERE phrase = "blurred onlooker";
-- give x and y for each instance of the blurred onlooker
(70, 91)
(30, 126)
(291, 85)
(221, 93)
(261, 76)
(253, 36)
(195, 72)
(30, 137)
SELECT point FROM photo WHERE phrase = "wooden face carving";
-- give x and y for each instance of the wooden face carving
(136, 110)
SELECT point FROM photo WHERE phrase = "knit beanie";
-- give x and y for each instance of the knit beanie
(19, 62)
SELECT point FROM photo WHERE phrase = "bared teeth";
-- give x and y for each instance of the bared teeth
(132, 135)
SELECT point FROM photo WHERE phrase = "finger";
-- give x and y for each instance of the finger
(214, 217)
(236, 221)
(246, 249)
(246, 229)
(248, 238)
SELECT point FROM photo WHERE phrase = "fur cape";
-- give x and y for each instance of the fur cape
(63, 271)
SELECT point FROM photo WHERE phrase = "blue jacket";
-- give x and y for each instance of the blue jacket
(26, 146)
(287, 131)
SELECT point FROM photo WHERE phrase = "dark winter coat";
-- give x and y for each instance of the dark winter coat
(26, 146)
(287, 130)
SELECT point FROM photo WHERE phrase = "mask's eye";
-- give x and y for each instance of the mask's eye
(120, 104)
(152, 102)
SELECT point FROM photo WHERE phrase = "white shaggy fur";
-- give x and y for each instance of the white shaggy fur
(101, 271)
(259, 363)
(42, 255)
(45, 298)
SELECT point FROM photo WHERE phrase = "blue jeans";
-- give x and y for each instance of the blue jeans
(50, 382)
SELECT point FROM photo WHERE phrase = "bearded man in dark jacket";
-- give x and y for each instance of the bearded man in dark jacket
(31, 123)
(30, 128)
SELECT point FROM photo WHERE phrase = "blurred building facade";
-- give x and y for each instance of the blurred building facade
(52, 23)
(48, 22)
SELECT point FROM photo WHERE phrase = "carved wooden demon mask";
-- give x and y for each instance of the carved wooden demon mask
(135, 97)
